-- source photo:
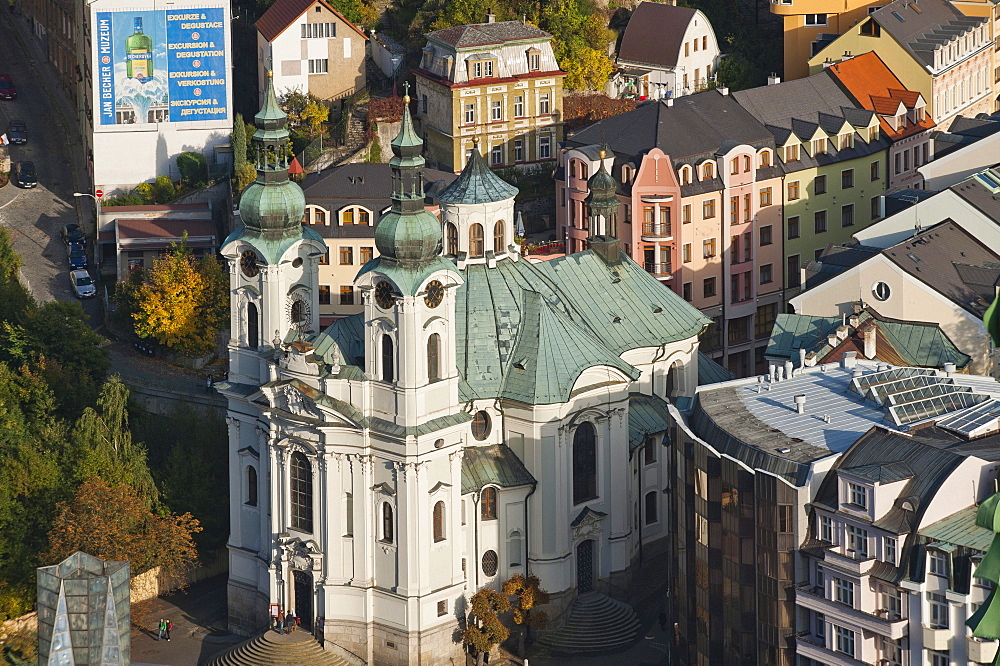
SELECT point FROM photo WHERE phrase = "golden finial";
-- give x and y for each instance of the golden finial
(475, 141)
(601, 153)
(406, 99)
(270, 74)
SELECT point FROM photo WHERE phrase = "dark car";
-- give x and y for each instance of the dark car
(26, 176)
(77, 257)
(7, 89)
(18, 132)
(72, 234)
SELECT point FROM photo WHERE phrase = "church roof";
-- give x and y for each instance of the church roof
(647, 415)
(494, 465)
(477, 184)
(550, 353)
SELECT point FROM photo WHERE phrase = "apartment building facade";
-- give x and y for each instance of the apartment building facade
(833, 156)
(932, 48)
(700, 210)
(499, 82)
(55, 24)
(310, 47)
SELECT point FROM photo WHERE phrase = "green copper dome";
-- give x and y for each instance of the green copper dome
(602, 188)
(272, 206)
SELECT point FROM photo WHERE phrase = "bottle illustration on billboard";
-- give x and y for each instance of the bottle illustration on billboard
(139, 53)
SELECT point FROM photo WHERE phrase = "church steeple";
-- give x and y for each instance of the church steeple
(408, 233)
(272, 206)
(602, 211)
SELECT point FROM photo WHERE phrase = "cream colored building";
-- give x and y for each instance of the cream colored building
(496, 81)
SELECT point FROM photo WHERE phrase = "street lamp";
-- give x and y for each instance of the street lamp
(395, 67)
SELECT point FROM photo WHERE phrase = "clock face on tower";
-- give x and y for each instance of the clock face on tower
(248, 263)
(434, 295)
(383, 295)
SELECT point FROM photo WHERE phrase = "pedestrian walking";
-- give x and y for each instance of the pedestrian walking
(281, 621)
(161, 628)
(170, 625)
(290, 620)
(663, 620)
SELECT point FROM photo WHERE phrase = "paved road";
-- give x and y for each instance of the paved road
(35, 216)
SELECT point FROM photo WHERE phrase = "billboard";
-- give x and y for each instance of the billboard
(161, 66)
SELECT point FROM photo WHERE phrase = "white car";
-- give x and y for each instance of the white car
(83, 285)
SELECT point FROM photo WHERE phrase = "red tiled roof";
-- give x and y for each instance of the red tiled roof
(151, 229)
(152, 208)
(282, 13)
(885, 105)
(866, 78)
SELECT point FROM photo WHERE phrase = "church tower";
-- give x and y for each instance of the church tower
(273, 259)
(409, 297)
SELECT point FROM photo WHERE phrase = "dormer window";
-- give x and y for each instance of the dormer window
(481, 69)
(765, 158)
(857, 541)
(534, 61)
(685, 175)
(708, 171)
(873, 134)
(918, 115)
(792, 153)
(818, 146)
(846, 141)
(857, 496)
(626, 173)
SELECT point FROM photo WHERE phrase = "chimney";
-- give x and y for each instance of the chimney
(854, 320)
(773, 80)
(772, 371)
(723, 90)
(831, 339)
(800, 403)
(788, 369)
(858, 307)
(850, 359)
(670, 101)
(847, 56)
(802, 357)
(491, 17)
(949, 368)
(841, 332)
(870, 345)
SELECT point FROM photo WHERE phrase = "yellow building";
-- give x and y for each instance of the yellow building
(834, 158)
(809, 25)
(497, 81)
(932, 48)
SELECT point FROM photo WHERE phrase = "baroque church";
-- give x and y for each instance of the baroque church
(484, 415)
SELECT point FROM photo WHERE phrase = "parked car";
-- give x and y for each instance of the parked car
(7, 89)
(18, 132)
(72, 234)
(83, 285)
(25, 173)
(77, 257)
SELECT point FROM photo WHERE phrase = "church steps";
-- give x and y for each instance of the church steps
(597, 623)
(274, 649)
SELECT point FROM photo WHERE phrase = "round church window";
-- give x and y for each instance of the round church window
(297, 262)
(490, 562)
(881, 291)
(481, 425)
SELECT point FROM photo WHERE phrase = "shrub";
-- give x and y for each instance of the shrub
(245, 175)
(193, 168)
(146, 191)
(164, 189)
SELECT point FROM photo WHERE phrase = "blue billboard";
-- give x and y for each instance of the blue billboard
(161, 66)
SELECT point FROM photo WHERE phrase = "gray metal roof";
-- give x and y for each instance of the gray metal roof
(493, 465)
(483, 34)
(477, 184)
(710, 372)
(921, 27)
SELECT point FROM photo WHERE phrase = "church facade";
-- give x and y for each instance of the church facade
(484, 416)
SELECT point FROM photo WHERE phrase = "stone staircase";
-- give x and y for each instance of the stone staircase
(597, 623)
(274, 649)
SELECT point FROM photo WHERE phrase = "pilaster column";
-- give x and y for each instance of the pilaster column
(455, 512)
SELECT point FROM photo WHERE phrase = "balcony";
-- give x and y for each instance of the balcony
(880, 623)
(663, 271)
(656, 231)
(812, 648)
(982, 650)
(851, 561)
(937, 639)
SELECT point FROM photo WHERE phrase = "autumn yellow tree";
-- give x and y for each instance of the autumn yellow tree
(527, 594)
(487, 631)
(314, 115)
(182, 302)
(114, 523)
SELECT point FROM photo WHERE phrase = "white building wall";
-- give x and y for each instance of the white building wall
(954, 167)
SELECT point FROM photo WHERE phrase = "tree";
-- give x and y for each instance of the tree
(487, 631)
(182, 303)
(193, 168)
(239, 142)
(586, 68)
(113, 522)
(735, 72)
(313, 116)
(245, 175)
(102, 445)
(527, 594)
(164, 190)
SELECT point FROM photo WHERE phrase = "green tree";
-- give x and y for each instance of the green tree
(113, 522)
(735, 72)
(487, 631)
(164, 190)
(15, 298)
(193, 168)
(102, 445)
(238, 139)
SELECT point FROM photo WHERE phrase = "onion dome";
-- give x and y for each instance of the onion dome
(272, 206)
(477, 183)
(602, 199)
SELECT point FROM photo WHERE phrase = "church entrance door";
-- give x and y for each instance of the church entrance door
(303, 597)
(585, 566)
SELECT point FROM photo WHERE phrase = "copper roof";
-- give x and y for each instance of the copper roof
(654, 34)
(282, 13)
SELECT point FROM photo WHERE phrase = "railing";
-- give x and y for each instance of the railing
(658, 269)
(656, 229)
(553, 247)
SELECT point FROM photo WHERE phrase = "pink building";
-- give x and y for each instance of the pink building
(700, 194)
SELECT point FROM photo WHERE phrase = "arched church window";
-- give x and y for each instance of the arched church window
(488, 503)
(388, 359)
(481, 425)
(584, 463)
(477, 243)
(450, 238)
(251, 486)
(253, 326)
(498, 237)
(298, 314)
(302, 492)
(387, 524)
(438, 521)
(433, 357)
